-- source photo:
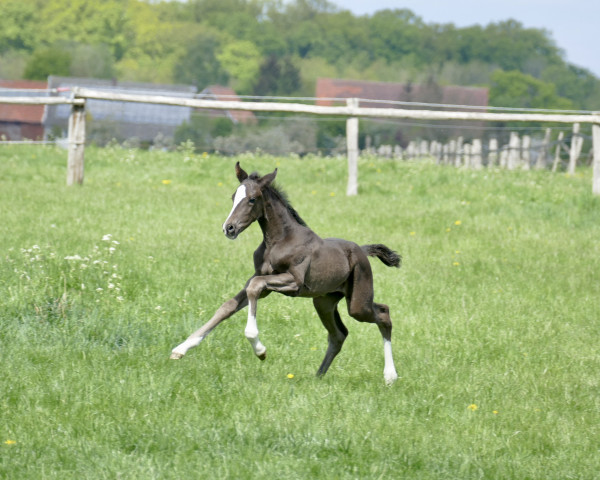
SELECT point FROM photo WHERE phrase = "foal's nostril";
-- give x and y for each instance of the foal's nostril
(229, 228)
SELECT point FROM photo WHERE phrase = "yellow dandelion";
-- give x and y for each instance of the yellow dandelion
(448, 229)
(412, 234)
(220, 184)
(456, 264)
(332, 194)
(290, 375)
(495, 412)
(458, 222)
(472, 407)
(314, 192)
(166, 182)
(9, 442)
(314, 349)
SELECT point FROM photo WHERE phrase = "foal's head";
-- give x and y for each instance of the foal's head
(247, 201)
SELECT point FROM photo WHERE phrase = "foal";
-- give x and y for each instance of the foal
(295, 261)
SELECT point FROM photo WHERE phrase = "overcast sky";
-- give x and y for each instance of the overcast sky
(574, 24)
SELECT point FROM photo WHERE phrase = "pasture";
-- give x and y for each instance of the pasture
(496, 324)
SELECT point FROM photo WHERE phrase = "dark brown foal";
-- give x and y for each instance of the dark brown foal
(295, 261)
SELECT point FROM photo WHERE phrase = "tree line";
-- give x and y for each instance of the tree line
(271, 47)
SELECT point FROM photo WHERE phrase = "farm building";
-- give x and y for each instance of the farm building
(20, 122)
(121, 120)
(219, 92)
(328, 90)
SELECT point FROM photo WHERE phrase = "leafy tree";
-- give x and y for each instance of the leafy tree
(277, 77)
(156, 45)
(575, 83)
(107, 22)
(18, 20)
(199, 65)
(94, 61)
(516, 89)
(48, 61)
(395, 33)
(241, 60)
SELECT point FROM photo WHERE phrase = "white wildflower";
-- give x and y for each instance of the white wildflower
(120, 299)
(115, 242)
(111, 250)
(99, 289)
(111, 286)
(73, 257)
(107, 237)
(158, 308)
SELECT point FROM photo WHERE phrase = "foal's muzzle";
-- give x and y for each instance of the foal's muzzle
(230, 231)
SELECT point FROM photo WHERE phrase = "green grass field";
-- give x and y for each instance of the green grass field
(496, 324)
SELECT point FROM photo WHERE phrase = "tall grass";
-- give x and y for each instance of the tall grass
(495, 317)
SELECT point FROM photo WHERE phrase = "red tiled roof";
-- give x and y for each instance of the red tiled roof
(225, 93)
(329, 88)
(13, 113)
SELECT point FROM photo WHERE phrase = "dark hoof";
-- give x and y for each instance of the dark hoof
(262, 356)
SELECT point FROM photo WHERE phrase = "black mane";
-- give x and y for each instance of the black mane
(280, 195)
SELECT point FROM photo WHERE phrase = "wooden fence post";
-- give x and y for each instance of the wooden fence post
(525, 154)
(352, 148)
(476, 150)
(596, 168)
(459, 152)
(75, 163)
(466, 155)
(514, 154)
(493, 153)
(541, 159)
(557, 151)
(573, 154)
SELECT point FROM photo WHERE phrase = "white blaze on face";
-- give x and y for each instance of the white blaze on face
(240, 194)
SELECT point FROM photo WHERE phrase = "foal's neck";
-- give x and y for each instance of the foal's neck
(277, 222)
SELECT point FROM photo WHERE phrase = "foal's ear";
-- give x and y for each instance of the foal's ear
(240, 173)
(267, 179)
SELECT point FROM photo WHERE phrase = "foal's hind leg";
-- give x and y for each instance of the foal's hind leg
(362, 308)
(385, 327)
(326, 307)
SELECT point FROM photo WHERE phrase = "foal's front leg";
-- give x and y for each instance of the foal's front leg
(257, 287)
(225, 311)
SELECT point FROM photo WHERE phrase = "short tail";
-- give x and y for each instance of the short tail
(383, 253)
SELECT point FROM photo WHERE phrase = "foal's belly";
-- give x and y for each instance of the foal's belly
(330, 267)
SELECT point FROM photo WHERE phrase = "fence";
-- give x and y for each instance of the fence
(352, 111)
(519, 152)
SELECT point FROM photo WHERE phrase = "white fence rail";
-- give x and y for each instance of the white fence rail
(352, 110)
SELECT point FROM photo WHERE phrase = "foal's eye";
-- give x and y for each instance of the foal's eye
(251, 200)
